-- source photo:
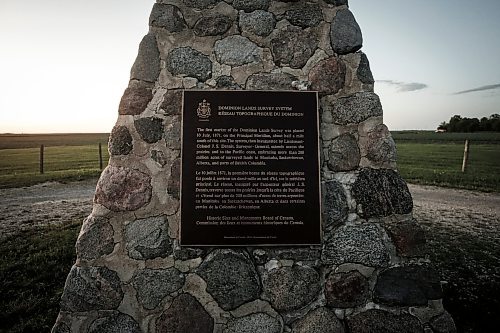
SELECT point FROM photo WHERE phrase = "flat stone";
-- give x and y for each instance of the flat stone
(150, 129)
(147, 64)
(134, 101)
(168, 17)
(172, 102)
(185, 314)
(91, 288)
(407, 286)
(378, 321)
(95, 239)
(120, 141)
(270, 81)
(187, 61)
(173, 184)
(213, 25)
(200, 4)
(254, 323)
(380, 147)
(227, 82)
(343, 154)
(335, 207)
(259, 22)
(346, 290)
(173, 135)
(123, 189)
(407, 236)
(443, 324)
(360, 244)
(364, 72)
(231, 278)
(237, 50)
(153, 285)
(345, 33)
(251, 5)
(291, 288)
(148, 238)
(319, 320)
(381, 192)
(328, 76)
(305, 15)
(356, 108)
(293, 47)
(263, 255)
(116, 322)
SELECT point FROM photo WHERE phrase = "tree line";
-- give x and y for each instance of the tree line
(459, 124)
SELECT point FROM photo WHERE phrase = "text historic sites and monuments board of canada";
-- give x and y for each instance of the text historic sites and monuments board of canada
(250, 168)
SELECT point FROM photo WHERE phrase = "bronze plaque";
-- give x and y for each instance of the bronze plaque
(250, 168)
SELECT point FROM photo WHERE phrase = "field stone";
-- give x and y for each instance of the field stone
(147, 64)
(254, 323)
(185, 314)
(148, 238)
(443, 324)
(60, 327)
(379, 321)
(270, 81)
(134, 101)
(173, 135)
(120, 141)
(150, 129)
(290, 288)
(381, 192)
(335, 207)
(159, 157)
(91, 288)
(172, 102)
(123, 189)
(168, 17)
(251, 5)
(173, 183)
(227, 82)
(115, 322)
(346, 290)
(381, 147)
(319, 320)
(293, 46)
(356, 108)
(407, 236)
(364, 72)
(213, 25)
(360, 244)
(237, 50)
(345, 33)
(189, 62)
(200, 4)
(153, 285)
(337, 2)
(328, 76)
(95, 239)
(259, 22)
(344, 154)
(187, 253)
(263, 255)
(305, 15)
(231, 278)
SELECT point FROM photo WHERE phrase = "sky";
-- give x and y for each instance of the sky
(64, 64)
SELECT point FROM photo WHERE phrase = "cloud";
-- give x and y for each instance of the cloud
(483, 88)
(405, 86)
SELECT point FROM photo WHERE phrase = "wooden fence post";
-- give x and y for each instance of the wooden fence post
(466, 156)
(41, 159)
(100, 156)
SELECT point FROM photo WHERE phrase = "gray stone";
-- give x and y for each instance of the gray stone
(254, 323)
(360, 244)
(345, 34)
(363, 72)
(343, 154)
(381, 192)
(293, 47)
(120, 141)
(213, 25)
(173, 184)
(95, 239)
(147, 64)
(153, 285)
(291, 288)
(320, 320)
(346, 290)
(187, 61)
(148, 238)
(356, 108)
(187, 253)
(115, 322)
(407, 286)
(263, 255)
(91, 288)
(380, 147)
(237, 50)
(159, 157)
(337, 2)
(335, 208)
(251, 5)
(185, 314)
(378, 321)
(150, 129)
(407, 236)
(231, 278)
(200, 4)
(259, 22)
(227, 82)
(123, 189)
(172, 102)
(270, 81)
(134, 101)
(328, 76)
(173, 135)
(60, 327)
(443, 324)
(305, 15)
(168, 17)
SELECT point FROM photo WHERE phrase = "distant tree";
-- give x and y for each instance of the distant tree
(459, 124)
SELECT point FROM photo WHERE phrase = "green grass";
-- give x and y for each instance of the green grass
(432, 137)
(12, 141)
(33, 267)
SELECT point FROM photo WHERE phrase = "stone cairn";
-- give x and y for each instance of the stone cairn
(369, 275)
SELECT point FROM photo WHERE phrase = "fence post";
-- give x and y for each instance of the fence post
(41, 159)
(100, 156)
(466, 156)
